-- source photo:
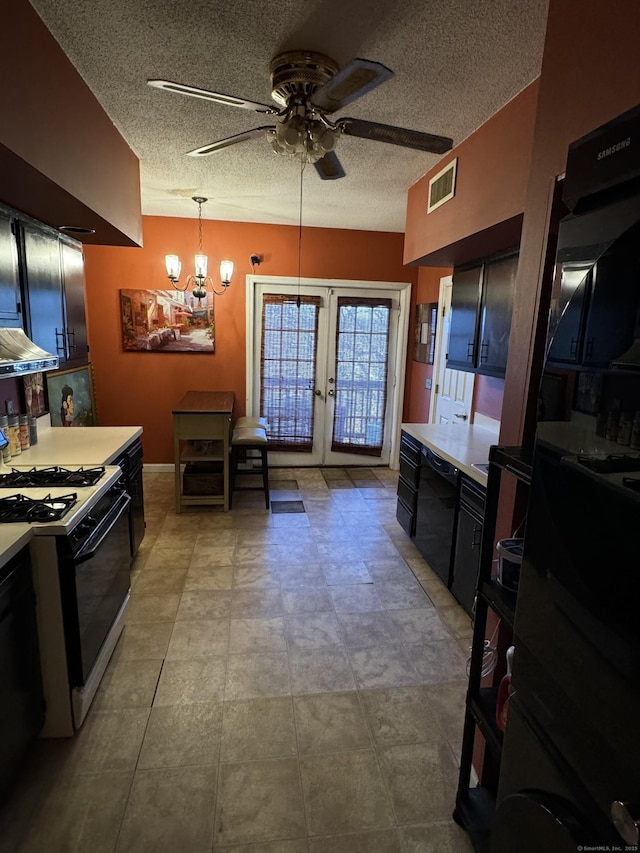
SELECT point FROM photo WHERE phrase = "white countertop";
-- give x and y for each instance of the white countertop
(460, 444)
(78, 446)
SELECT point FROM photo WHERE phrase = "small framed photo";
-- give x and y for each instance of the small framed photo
(71, 397)
(425, 332)
(34, 399)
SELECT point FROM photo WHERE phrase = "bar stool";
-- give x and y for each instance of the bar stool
(249, 434)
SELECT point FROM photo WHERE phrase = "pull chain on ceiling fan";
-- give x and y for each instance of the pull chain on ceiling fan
(309, 87)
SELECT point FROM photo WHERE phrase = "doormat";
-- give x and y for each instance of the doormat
(287, 506)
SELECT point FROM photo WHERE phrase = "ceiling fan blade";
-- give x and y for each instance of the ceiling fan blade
(206, 95)
(395, 135)
(329, 167)
(204, 150)
(354, 80)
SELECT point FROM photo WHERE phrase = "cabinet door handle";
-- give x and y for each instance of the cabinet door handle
(71, 344)
(484, 351)
(470, 348)
(476, 539)
(573, 350)
(589, 348)
(60, 347)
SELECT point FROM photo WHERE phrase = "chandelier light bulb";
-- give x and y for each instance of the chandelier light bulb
(173, 265)
(226, 272)
(201, 262)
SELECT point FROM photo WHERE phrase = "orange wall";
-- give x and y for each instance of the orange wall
(142, 388)
(590, 74)
(491, 182)
(62, 160)
(416, 397)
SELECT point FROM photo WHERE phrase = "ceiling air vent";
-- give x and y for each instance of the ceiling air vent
(442, 186)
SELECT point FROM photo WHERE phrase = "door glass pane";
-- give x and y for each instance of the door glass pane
(288, 369)
(362, 346)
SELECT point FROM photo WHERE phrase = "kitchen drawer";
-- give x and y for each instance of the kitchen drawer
(410, 447)
(406, 518)
(472, 494)
(409, 470)
(407, 494)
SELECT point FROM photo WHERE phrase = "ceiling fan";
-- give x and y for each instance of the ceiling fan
(308, 87)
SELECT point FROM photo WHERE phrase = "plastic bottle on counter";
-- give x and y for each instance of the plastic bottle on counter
(14, 435)
(4, 427)
(25, 441)
(33, 430)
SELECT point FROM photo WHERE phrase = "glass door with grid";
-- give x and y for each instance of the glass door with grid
(324, 374)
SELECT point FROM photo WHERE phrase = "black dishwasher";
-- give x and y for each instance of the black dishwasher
(436, 511)
(21, 697)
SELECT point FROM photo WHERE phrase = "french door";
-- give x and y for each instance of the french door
(326, 361)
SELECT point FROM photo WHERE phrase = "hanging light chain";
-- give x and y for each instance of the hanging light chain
(302, 165)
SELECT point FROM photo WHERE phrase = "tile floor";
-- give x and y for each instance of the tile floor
(287, 683)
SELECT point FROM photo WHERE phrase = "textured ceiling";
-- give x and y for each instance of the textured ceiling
(455, 61)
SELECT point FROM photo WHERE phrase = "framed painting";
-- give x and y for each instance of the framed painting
(425, 332)
(33, 388)
(166, 321)
(71, 397)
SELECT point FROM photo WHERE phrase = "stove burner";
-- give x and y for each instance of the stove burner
(612, 464)
(53, 476)
(22, 508)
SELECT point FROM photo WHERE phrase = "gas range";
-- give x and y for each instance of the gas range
(60, 500)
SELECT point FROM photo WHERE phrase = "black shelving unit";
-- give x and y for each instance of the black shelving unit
(475, 805)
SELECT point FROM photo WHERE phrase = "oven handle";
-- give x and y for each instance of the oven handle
(91, 546)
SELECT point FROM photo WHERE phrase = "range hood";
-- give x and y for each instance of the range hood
(19, 355)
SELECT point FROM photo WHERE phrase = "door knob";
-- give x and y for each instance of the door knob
(331, 393)
(331, 381)
(318, 392)
(462, 417)
(627, 821)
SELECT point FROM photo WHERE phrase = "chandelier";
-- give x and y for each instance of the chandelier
(199, 280)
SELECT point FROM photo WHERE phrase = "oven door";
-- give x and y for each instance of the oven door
(94, 584)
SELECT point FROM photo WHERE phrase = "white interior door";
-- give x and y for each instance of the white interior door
(452, 396)
(325, 372)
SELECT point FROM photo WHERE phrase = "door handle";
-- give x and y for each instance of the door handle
(318, 392)
(462, 417)
(331, 393)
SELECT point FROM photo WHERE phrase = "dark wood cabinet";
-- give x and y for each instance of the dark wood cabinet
(468, 536)
(54, 293)
(465, 309)
(10, 307)
(499, 282)
(408, 483)
(481, 308)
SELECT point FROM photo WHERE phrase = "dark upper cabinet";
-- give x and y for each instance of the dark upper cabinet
(10, 313)
(74, 302)
(53, 280)
(481, 308)
(499, 281)
(465, 307)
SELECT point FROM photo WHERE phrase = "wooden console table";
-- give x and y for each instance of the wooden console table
(201, 426)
